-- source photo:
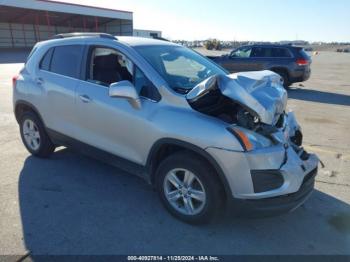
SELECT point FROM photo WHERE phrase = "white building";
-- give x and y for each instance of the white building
(147, 33)
(23, 23)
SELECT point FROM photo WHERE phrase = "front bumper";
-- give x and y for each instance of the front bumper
(276, 205)
(284, 158)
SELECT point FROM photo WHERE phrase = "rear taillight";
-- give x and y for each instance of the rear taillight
(14, 80)
(302, 62)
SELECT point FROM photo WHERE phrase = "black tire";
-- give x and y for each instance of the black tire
(285, 78)
(214, 196)
(46, 147)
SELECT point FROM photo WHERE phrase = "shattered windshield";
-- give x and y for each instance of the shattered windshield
(181, 67)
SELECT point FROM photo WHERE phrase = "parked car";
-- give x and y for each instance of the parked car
(290, 62)
(202, 138)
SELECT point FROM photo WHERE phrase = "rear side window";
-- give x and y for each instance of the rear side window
(46, 60)
(268, 52)
(258, 52)
(261, 52)
(280, 52)
(66, 60)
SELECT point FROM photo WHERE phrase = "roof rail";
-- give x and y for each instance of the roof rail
(101, 35)
(161, 38)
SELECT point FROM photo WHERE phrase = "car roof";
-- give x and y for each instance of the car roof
(126, 40)
(141, 41)
(271, 45)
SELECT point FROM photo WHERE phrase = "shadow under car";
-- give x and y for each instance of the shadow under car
(71, 204)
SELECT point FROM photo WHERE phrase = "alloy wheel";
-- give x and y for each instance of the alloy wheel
(184, 191)
(31, 134)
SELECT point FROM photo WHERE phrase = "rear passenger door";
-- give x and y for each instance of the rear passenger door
(58, 75)
(281, 57)
(260, 58)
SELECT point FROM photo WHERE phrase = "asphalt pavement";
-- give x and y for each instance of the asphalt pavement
(72, 204)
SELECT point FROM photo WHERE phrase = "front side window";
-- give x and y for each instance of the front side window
(144, 86)
(243, 52)
(181, 67)
(66, 60)
(108, 66)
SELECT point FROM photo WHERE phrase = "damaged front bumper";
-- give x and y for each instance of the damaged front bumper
(279, 177)
(279, 204)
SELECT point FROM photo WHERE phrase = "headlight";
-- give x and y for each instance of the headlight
(248, 139)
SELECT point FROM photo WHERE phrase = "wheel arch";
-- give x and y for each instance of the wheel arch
(166, 146)
(277, 69)
(22, 106)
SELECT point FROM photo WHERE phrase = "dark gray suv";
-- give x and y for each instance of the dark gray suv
(290, 62)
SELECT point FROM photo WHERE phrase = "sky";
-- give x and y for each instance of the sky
(254, 20)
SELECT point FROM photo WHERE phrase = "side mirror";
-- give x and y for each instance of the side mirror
(125, 89)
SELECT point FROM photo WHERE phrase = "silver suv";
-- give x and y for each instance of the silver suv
(201, 137)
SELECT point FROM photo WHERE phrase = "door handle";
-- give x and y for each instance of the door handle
(85, 98)
(39, 81)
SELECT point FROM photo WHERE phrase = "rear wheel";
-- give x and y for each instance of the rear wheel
(189, 188)
(34, 135)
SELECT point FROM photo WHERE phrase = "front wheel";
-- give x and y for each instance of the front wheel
(188, 188)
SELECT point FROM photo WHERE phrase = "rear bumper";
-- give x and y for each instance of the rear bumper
(276, 205)
(300, 75)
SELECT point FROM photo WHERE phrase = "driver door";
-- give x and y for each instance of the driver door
(112, 124)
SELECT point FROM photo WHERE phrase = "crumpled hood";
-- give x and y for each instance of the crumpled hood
(259, 92)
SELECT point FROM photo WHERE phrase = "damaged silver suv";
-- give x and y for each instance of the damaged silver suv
(203, 138)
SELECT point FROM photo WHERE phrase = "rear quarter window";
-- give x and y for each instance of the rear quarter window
(31, 53)
(303, 53)
(46, 60)
(281, 52)
(66, 60)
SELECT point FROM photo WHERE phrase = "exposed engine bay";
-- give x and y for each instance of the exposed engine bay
(217, 105)
(253, 100)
